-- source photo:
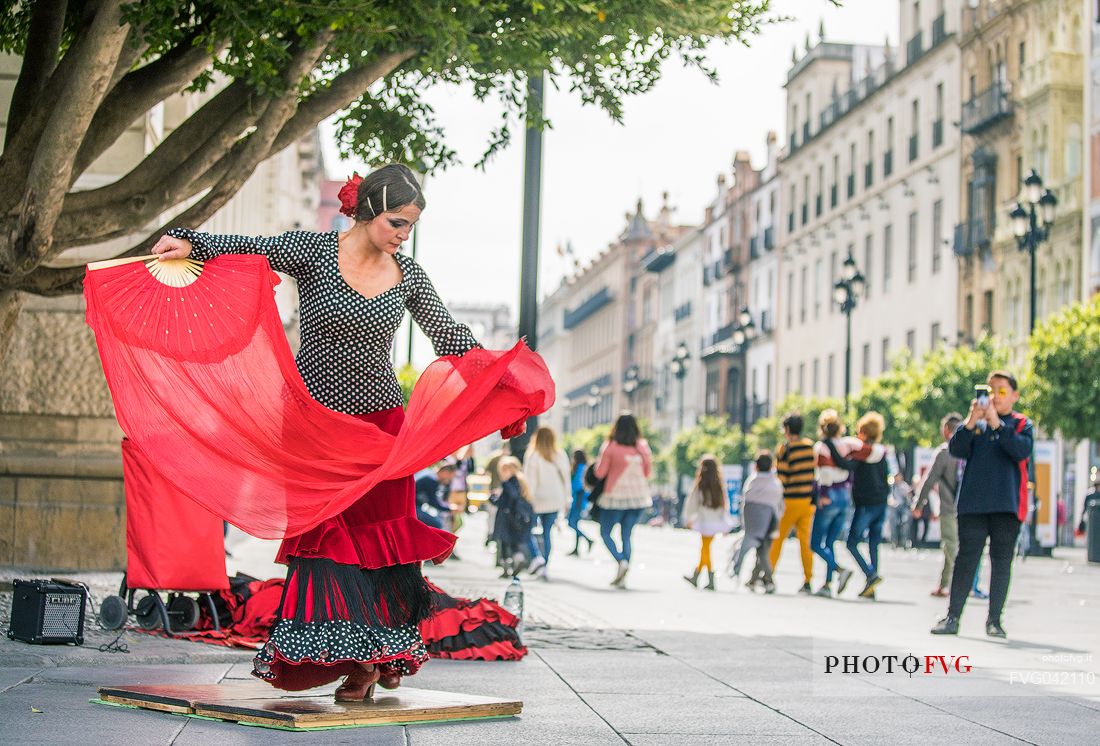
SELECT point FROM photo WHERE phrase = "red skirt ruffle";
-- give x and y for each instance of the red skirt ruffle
(463, 629)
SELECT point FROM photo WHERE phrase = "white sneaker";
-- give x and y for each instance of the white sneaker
(536, 564)
(620, 577)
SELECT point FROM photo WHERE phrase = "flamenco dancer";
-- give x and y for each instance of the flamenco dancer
(349, 609)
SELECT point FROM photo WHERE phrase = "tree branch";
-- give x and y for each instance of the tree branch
(182, 167)
(39, 61)
(132, 50)
(138, 92)
(51, 167)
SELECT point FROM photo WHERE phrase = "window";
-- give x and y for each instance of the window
(802, 378)
(829, 375)
(802, 298)
(911, 341)
(972, 87)
(836, 180)
(832, 278)
(869, 166)
(790, 299)
(885, 354)
(805, 199)
(814, 378)
(937, 125)
(868, 264)
(819, 273)
(1023, 55)
(819, 199)
(911, 270)
(888, 156)
(787, 380)
(851, 170)
(987, 311)
(887, 258)
(914, 130)
(968, 316)
(937, 235)
(936, 341)
(867, 360)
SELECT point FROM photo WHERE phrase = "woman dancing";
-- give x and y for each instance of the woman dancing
(351, 606)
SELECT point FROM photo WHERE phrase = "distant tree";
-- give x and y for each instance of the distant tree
(1063, 386)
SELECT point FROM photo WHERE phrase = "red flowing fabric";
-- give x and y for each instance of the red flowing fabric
(206, 389)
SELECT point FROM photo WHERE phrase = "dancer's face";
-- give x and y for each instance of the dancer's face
(391, 229)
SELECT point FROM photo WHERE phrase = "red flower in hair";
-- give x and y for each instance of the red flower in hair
(349, 195)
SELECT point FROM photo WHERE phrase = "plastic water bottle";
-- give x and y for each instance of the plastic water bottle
(513, 602)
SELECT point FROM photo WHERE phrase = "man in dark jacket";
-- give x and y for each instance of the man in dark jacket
(993, 498)
(432, 491)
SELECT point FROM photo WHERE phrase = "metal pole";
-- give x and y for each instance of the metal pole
(1032, 246)
(847, 354)
(529, 260)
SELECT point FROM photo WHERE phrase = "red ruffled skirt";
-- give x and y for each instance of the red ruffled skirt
(354, 591)
(465, 629)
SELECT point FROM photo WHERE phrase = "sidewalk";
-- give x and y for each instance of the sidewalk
(661, 663)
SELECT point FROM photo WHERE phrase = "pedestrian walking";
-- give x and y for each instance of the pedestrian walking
(433, 487)
(762, 505)
(707, 510)
(942, 477)
(834, 497)
(580, 501)
(494, 491)
(993, 497)
(870, 490)
(515, 516)
(625, 465)
(549, 482)
(795, 467)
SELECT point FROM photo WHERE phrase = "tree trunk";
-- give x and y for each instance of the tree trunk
(11, 302)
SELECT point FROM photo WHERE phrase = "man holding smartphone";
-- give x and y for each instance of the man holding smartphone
(993, 497)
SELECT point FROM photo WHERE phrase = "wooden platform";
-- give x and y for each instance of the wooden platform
(252, 703)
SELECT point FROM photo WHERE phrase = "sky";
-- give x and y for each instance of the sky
(676, 138)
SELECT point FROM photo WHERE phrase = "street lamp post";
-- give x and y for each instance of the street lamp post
(679, 369)
(846, 293)
(1029, 235)
(1027, 228)
(742, 337)
(630, 383)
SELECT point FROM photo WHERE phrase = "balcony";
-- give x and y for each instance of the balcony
(658, 260)
(598, 300)
(973, 237)
(914, 50)
(887, 163)
(721, 335)
(868, 174)
(937, 133)
(1055, 69)
(708, 275)
(986, 109)
(914, 147)
(769, 238)
(682, 311)
(729, 259)
(851, 185)
(765, 322)
(754, 247)
(939, 30)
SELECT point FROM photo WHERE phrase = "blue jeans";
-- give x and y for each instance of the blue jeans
(626, 519)
(580, 499)
(828, 523)
(546, 520)
(867, 520)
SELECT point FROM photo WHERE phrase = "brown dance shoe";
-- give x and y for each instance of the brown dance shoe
(359, 684)
(390, 680)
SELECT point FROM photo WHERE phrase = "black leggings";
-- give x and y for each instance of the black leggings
(1002, 530)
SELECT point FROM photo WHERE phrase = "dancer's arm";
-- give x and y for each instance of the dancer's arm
(447, 335)
(293, 252)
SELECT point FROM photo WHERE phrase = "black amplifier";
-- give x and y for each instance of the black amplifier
(47, 612)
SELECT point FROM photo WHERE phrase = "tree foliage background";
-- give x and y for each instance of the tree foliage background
(1063, 386)
(272, 70)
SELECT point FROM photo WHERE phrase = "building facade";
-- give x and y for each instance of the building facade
(763, 269)
(1023, 91)
(870, 173)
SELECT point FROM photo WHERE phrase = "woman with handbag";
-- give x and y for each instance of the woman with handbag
(547, 470)
(625, 464)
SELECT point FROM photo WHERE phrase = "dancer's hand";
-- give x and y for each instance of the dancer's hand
(169, 247)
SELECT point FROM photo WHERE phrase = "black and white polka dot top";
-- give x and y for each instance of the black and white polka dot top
(344, 358)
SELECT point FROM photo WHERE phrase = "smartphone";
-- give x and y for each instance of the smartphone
(982, 393)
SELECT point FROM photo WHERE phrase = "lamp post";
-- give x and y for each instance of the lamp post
(593, 402)
(742, 337)
(846, 294)
(630, 383)
(1027, 228)
(679, 369)
(1029, 235)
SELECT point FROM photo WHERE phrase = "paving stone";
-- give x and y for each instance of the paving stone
(668, 713)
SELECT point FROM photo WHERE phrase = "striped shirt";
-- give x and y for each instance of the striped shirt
(794, 463)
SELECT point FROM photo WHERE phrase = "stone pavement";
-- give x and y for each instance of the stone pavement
(662, 663)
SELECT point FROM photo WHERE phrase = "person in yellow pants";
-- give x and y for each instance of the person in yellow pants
(707, 510)
(794, 460)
